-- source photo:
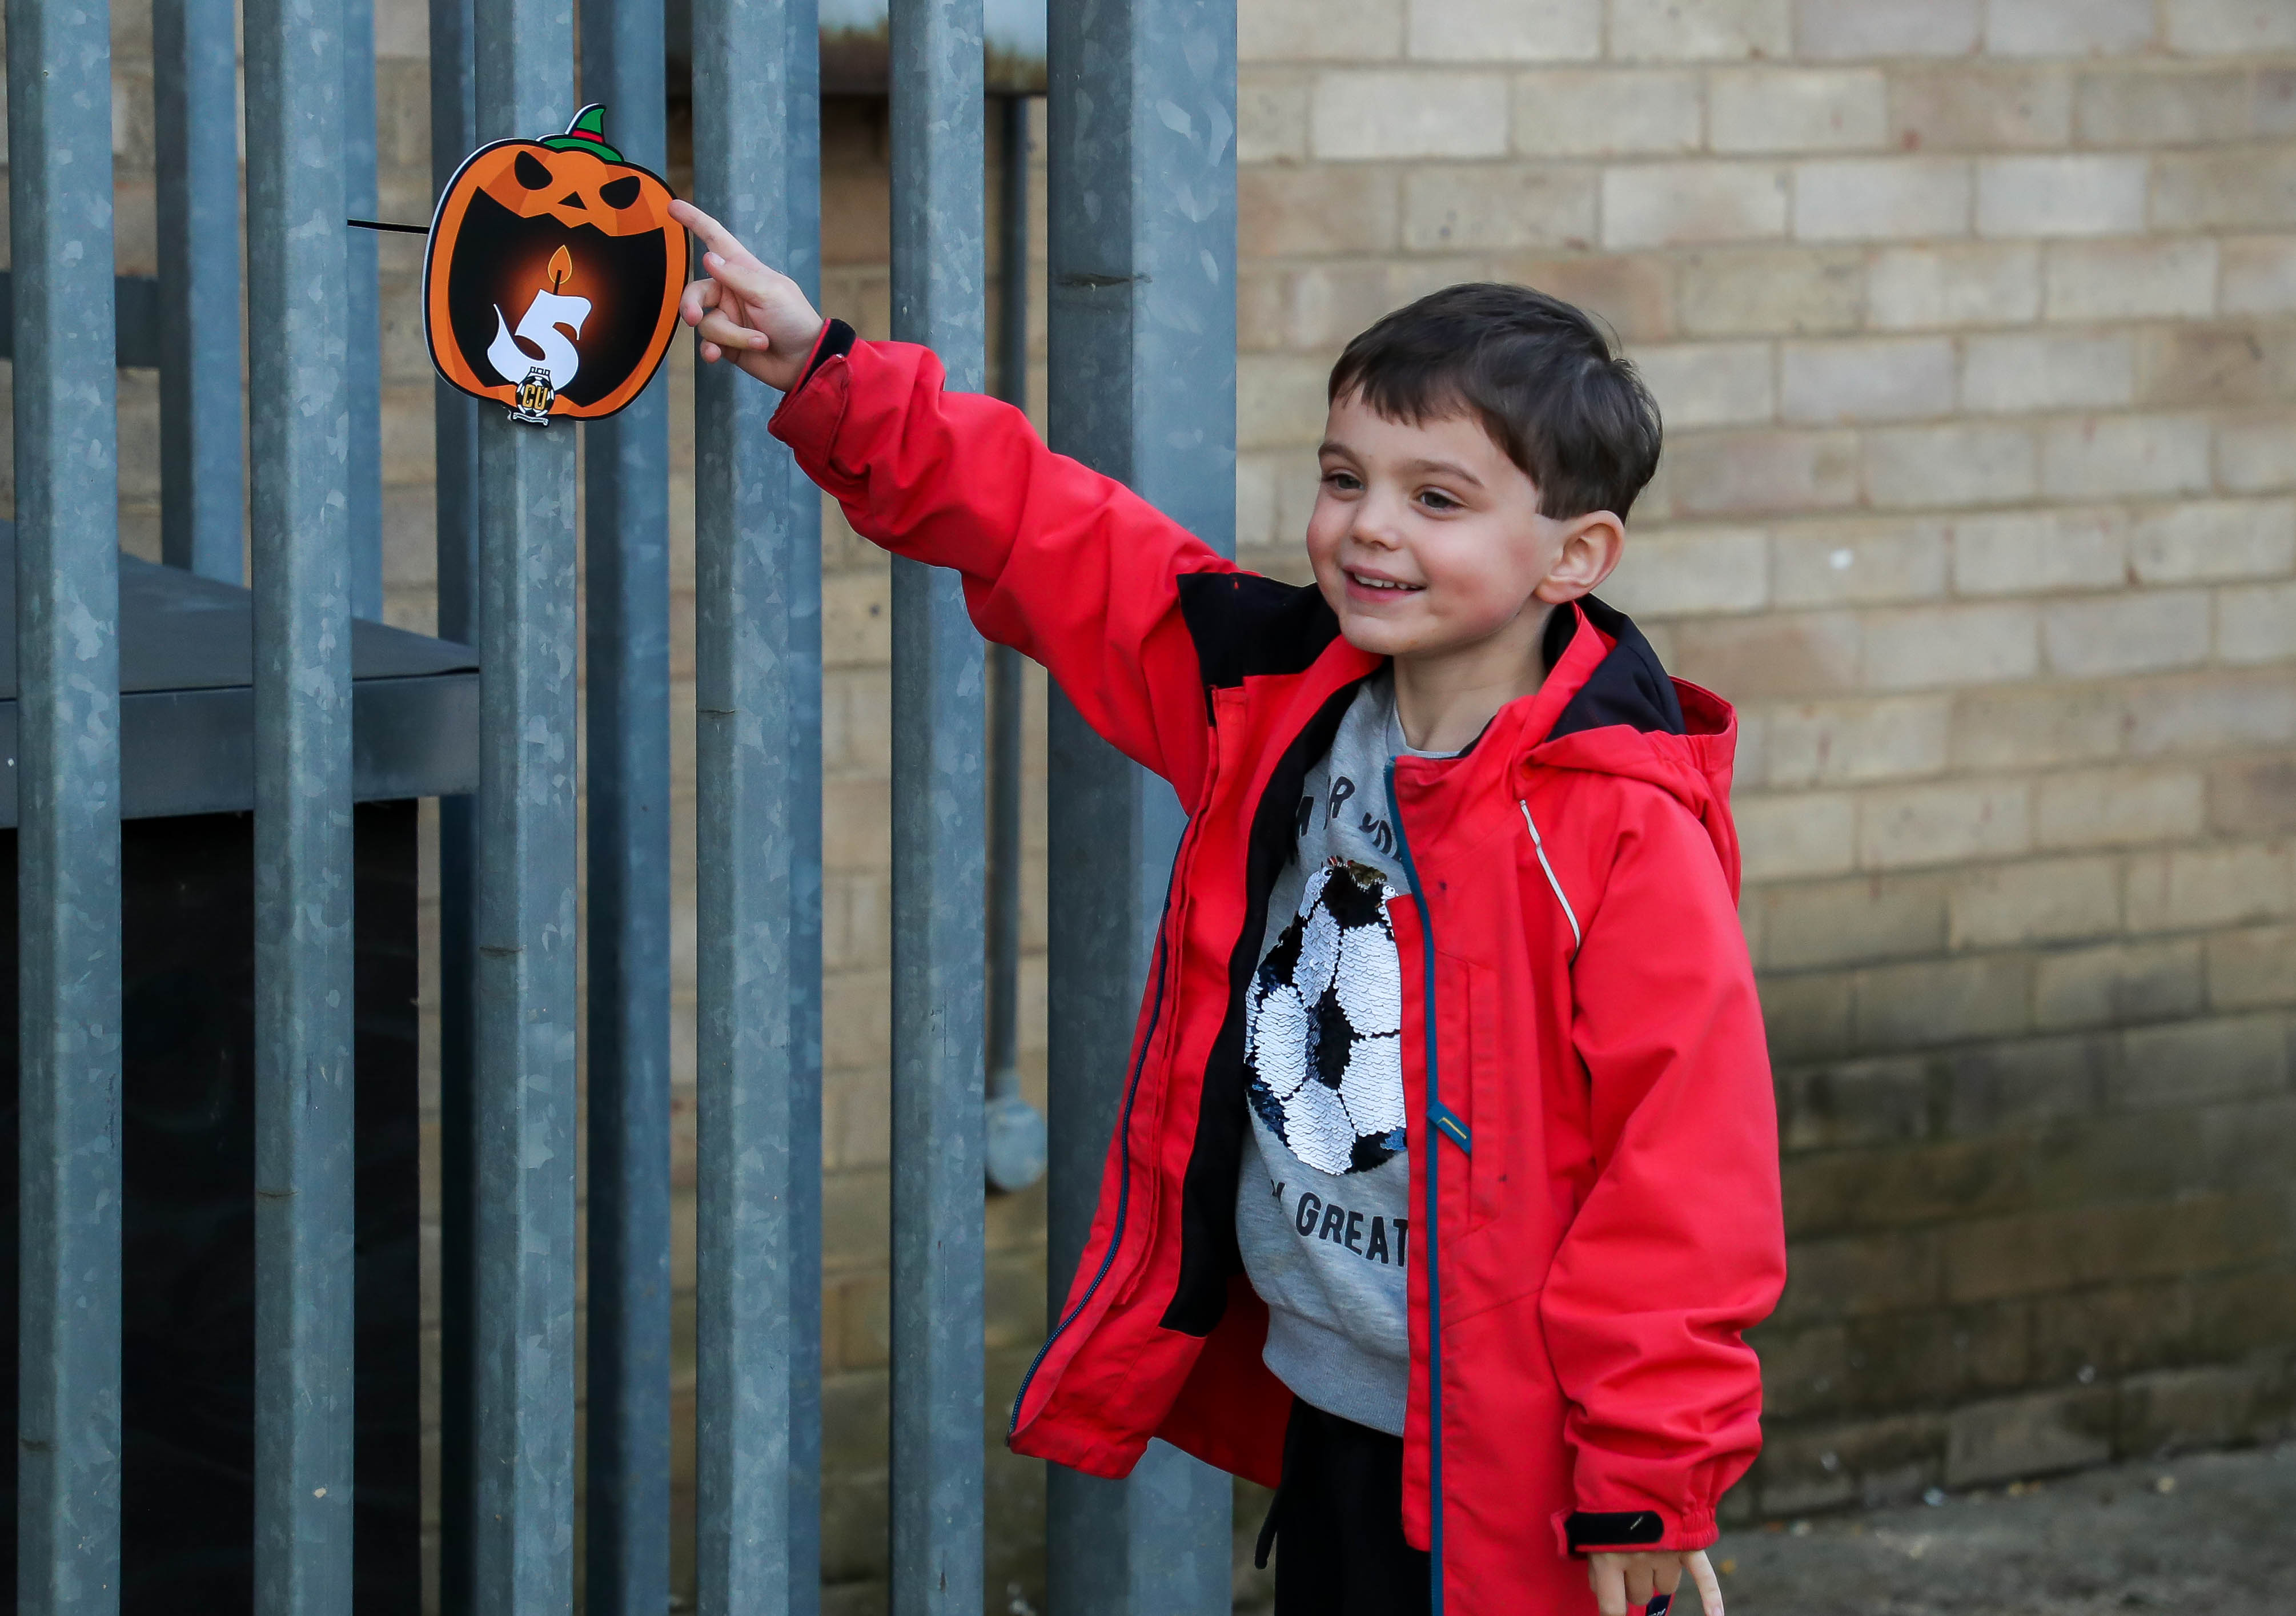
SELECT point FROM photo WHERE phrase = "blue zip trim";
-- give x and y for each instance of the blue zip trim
(1123, 1190)
(1447, 1123)
(1429, 1245)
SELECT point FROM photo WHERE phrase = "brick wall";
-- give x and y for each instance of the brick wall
(1972, 327)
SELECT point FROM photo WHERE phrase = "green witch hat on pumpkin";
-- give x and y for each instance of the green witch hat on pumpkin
(587, 132)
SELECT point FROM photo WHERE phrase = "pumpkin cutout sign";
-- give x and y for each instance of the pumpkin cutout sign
(552, 277)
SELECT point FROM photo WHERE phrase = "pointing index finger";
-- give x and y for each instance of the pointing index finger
(1709, 1586)
(719, 239)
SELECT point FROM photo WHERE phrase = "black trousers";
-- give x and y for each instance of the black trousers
(1337, 1523)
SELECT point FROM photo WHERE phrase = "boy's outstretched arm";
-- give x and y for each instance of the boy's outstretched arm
(1679, 1245)
(1071, 568)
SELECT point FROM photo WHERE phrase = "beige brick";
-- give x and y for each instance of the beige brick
(2132, 279)
(2045, 370)
(2139, 631)
(1686, 30)
(1313, 31)
(2252, 969)
(1690, 572)
(1987, 283)
(2252, 796)
(2214, 540)
(2034, 728)
(1941, 1002)
(1979, 106)
(1798, 834)
(857, 622)
(1710, 384)
(1930, 647)
(2124, 454)
(2068, 27)
(1797, 655)
(1888, 28)
(2156, 109)
(1858, 563)
(2239, 189)
(1430, 113)
(1686, 204)
(1857, 743)
(1949, 465)
(2232, 27)
(1283, 211)
(1784, 110)
(1736, 472)
(2256, 457)
(1634, 293)
(2116, 984)
(1850, 923)
(1929, 825)
(2117, 808)
(1280, 399)
(1771, 290)
(2034, 552)
(1881, 199)
(1460, 208)
(2259, 274)
(2190, 889)
(2211, 711)
(2273, 111)
(2051, 900)
(2053, 196)
(2257, 623)
(2215, 366)
(1879, 379)
(1255, 499)
(1271, 118)
(1573, 113)
(1506, 30)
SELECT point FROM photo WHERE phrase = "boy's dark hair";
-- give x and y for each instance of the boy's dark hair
(1537, 372)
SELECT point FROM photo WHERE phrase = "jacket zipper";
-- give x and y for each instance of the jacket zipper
(1436, 1112)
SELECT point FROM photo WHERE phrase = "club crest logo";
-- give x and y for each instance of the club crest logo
(551, 282)
(1323, 1061)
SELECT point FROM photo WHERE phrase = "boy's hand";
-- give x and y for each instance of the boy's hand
(1629, 1582)
(743, 310)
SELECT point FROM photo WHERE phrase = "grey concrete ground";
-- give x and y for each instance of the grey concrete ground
(2212, 1533)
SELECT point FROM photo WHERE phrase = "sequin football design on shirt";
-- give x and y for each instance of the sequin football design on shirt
(1324, 1033)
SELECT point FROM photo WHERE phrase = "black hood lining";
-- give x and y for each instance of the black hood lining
(1628, 686)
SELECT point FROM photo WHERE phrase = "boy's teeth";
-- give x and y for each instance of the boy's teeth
(1379, 583)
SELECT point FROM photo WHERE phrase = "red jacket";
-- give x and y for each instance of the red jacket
(1599, 1170)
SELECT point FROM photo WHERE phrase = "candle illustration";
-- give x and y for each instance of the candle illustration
(545, 325)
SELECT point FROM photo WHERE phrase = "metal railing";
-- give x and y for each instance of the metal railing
(1143, 365)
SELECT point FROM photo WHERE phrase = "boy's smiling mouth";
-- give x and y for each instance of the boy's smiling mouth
(1385, 586)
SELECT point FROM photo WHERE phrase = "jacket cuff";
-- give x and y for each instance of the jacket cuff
(834, 343)
(1626, 1531)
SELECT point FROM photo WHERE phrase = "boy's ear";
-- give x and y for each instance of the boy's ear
(1592, 546)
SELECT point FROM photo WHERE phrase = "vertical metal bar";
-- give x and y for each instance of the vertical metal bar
(625, 517)
(453, 131)
(362, 313)
(1014, 1130)
(304, 1232)
(68, 799)
(939, 852)
(1143, 336)
(196, 100)
(525, 1010)
(758, 767)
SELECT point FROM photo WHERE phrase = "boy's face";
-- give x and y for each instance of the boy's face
(1427, 538)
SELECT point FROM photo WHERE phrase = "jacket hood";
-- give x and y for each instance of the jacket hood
(1617, 712)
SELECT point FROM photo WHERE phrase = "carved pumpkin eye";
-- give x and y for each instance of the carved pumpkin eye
(619, 193)
(530, 174)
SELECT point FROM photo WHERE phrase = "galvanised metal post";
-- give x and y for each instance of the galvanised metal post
(363, 313)
(196, 100)
(626, 630)
(68, 807)
(305, 1169)
(1142, 348)
(757, 543)
(453, 131)
(939, 851)
(527, 853)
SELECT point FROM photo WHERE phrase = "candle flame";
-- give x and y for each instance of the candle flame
(561, 269)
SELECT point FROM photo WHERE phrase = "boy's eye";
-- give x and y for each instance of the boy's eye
(1435, 499)
(1344, 482)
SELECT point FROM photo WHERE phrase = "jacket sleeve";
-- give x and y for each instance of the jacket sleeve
(1679, 1244)
(1069, 567)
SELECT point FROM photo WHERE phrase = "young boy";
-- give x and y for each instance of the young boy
(1447, 1176)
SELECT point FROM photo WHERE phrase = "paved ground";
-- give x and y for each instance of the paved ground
(2208, 1535)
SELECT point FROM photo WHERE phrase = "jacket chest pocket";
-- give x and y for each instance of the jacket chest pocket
(1471, 1030)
